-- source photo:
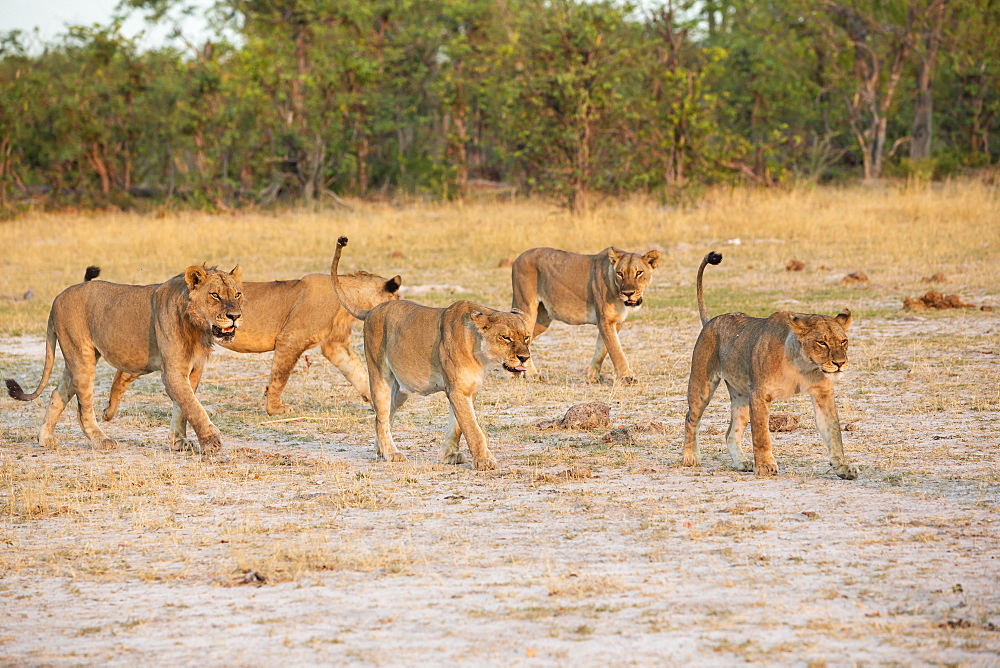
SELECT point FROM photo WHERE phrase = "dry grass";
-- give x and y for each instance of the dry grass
(295, 545)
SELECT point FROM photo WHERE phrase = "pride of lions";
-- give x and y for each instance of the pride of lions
(415, 349)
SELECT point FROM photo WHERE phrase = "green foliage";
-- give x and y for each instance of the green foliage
(295, 99)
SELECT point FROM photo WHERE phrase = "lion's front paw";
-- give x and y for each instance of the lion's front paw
(108, 415)
(690, 459)
(106, 444)
(396, 457)
(48, 441)
(210, 445)
(766, 467)
(746, 466)
(486, 463)
(628, 380)
(846, 471)
(278, 408)
(454, 458)
(182, 444)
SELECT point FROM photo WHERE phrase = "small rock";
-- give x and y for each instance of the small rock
(396, 254)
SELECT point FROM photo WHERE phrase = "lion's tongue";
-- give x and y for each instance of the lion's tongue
(519, 368)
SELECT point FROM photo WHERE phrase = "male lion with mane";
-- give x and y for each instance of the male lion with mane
(139, 329)
(764, 360)
(415, 349)
(290, 317)
(551, 284)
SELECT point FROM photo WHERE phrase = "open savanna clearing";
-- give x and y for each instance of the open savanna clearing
(294, 545)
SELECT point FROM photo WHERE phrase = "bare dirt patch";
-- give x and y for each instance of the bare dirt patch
(296, 546)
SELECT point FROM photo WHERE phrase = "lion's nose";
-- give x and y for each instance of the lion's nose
(234, 316)
(523, 358)
(628, 293)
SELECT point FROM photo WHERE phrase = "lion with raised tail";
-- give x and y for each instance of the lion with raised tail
(290, 317)
(139, 329)
(415, 349)
(764, 360)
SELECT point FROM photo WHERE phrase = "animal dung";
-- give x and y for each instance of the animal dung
(935, 278)
(505, 262)
(795, 265)
(854, 278)
(934, 300)
(591, 415)
(782, 422)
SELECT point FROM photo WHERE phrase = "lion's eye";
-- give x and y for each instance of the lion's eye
(844, 343)
(505, 338)
(822, 344)
(638, 273)
(620, 274)
(527, 338)
(239, 295)
(215, 295)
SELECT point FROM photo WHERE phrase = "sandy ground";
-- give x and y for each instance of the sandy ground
(295, 546)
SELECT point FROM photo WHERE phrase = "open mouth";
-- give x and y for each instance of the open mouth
(224, 333)
(514, 369)
(633, 302)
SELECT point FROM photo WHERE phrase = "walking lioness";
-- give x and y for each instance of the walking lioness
(415, 349)
(764, 360)
(139, 329)
(550, 284)
(290, 317)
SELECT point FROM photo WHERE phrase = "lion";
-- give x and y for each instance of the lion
(764, 360)
(415, 349)
(138, 329)
(290, 317)
(550, 284)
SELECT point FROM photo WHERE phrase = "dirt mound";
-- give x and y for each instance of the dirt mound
(795, 265)
(581, 416)
(933, 299)
(782, 422)
(854, 278)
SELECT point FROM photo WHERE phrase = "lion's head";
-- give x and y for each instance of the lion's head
(505, 338)
(215, 300)
(369, 290)
(631, 273)
(823, 339)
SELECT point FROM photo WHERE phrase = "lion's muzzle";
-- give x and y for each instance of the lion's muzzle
(519, 368)
(226, 330)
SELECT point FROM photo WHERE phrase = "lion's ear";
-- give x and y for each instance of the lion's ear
(614, 255)
(799, 324)
(392, 285)
(195, 276)
(845, 318)
(652, 258)
(237, 273)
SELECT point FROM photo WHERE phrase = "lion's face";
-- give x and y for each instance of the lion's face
(505, 339)
(216, 300)
(632, 273)
(369, 290)
(824, 339)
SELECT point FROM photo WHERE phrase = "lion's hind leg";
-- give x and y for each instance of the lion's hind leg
(118, 388)
(58, 399)
(81, 372)
(386, 400)
(701, 386)
(739, 418)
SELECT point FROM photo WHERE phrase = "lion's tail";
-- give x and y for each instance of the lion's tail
(14, 389)
(341, 295)
(711, 258)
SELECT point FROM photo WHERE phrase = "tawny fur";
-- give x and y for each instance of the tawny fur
(415, 349)
(550, 284)
(290, 317)
(764, 360)
(139, 329)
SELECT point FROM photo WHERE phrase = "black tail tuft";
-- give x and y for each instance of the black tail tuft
(13, 389)
(91, 273)
(341, 242)
(713, 258)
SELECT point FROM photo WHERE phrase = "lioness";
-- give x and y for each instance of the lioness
(764, 360)
(551, 284)
(416, 349)
(139, 329)
(290, 317)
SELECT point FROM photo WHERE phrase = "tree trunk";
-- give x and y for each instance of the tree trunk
(920, 147)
